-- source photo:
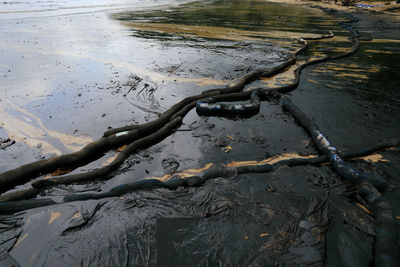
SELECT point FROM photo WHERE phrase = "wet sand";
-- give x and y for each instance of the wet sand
(66, 79)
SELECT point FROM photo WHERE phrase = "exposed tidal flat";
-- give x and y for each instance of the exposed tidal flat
(70, 70)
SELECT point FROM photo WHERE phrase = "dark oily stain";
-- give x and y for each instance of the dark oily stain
(83, 219)
(349, 239)
(309, 246)
(221, 141)
(354, 215)
(355, 247)
(10, 227)
(201, 226)
(255, 233)
(294, 216)
(246, 15)
(4, 143)
(40, 227)
(170, 165)
(256, 137)
(225, 216)
(7, 260)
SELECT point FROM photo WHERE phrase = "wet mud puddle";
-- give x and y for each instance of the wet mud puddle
(66, 78)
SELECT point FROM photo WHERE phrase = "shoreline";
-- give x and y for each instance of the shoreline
(61, 11)
(384, 7)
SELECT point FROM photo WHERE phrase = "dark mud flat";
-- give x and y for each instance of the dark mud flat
(302, 215)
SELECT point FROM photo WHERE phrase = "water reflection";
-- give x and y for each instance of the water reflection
(36, 8)
(229, 20)
(90, 62)
(238, 14)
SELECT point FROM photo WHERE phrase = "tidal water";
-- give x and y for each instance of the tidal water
(30, 9)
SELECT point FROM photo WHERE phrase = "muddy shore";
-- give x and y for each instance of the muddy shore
(69, 78)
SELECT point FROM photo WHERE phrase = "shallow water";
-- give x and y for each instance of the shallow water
(72, 69)
(37, 8)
